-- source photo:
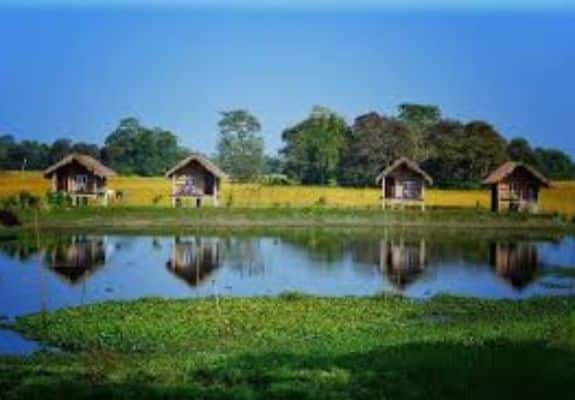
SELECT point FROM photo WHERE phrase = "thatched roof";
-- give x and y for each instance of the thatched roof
(90, 163)
(507, 169)
(203, 161)
(404, 162)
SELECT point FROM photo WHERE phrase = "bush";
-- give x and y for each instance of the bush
(321, 201)
(157, 199)
(275, 180)
(22, 201)
(58, 199)
(230, 200)
(9, 219)
(28, 200)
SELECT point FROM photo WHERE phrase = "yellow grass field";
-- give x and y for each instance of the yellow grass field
(139, 191)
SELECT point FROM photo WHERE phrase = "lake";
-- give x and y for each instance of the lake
(70, 269)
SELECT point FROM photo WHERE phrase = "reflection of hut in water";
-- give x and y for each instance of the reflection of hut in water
(402, 262)
(516, 262)
(194, 258)
(77, 258)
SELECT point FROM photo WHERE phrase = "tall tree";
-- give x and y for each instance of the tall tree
(485, 149)
(86, 148)
(6, 143)
(519, 149)
(374, 142)
(556, 164)
(446, 144)
(60, 149)
(313, 147)
(135, 149)
(418, 118)
(240, 145)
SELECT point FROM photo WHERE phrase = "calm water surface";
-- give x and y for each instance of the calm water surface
(64, 270)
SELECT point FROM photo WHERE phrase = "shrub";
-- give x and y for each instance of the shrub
(321, 201)
(28, 200)
(9, 219)
(157, 199)
(230, 200)
(9, 202)
(274, 180)
(22, 201)
(58, 199)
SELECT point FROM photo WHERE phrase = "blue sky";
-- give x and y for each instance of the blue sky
(71, 70)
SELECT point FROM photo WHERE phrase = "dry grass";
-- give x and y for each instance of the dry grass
(139, 191)
(560, 198)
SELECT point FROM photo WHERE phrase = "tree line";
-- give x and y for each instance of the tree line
(322, 149)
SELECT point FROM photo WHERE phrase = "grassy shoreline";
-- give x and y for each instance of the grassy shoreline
(295, 346)
(150, 218)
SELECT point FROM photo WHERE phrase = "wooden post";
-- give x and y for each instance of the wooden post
(54, 182)
(423, 196)
(174, 191)
(422, 254)
(216, 194)
(383, 202)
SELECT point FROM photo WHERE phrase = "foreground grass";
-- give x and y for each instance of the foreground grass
(301, 347)
(130, 218)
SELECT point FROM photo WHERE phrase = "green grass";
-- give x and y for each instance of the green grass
(300, 347)
(159, 217)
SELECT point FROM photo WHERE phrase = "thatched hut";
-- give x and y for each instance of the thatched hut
(80, 176)
(195, 178)
(403, 183)
(515, 186)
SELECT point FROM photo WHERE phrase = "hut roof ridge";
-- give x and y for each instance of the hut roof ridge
(507, 169)
(90, 163)
(204, 161)
(412, 165)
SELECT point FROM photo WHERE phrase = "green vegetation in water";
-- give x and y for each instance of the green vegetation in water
(301, 347)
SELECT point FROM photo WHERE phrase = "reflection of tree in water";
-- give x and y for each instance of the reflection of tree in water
(516, 262)
(18, 249)
(76, 257)
(402, 262)
(365, 252)
(320, 245)
(245, 256)
(193, 259)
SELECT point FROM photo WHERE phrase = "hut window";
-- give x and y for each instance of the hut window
(411, 189)
(81, 182)
(514, 188)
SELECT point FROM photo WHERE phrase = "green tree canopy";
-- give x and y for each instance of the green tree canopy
(519, 149)
(313, 147)
(462, 155)
(373, 143)
(555, 164)
(418, 118)
(240, 146)
(135, 149)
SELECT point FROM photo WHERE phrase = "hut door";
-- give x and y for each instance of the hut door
(494, 199)
(210, 182)
(390, 188)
